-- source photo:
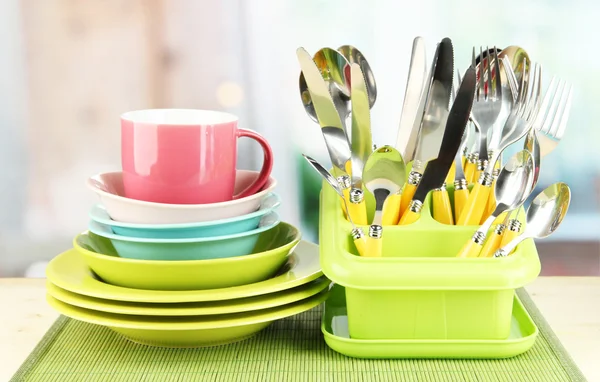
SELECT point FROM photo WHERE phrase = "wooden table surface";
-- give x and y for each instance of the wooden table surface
(570, 304)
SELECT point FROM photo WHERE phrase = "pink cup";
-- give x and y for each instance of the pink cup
(184, 156)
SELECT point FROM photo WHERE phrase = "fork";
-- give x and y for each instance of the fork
(548, 129)
(519, 122)
(489, 101)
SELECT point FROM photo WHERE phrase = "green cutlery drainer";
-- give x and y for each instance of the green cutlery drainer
(419, 289)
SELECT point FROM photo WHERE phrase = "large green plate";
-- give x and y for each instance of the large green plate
(69, 271)
(190, 308)
(193, 331)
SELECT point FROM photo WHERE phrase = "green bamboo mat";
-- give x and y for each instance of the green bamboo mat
(292, 349)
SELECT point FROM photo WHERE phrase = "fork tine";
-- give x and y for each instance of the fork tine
(561, 109)
(522, 91)
(542, 123)
(511, 77)
(558, 134)
(552, 110)
(498, 80)
(538, 92)
(488, 68)
(473, 63)
(482, 73)
(533, 95)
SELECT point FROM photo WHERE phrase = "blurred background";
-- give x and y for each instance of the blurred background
(70, 68)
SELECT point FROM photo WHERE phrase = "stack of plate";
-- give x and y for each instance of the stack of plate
(185, 318)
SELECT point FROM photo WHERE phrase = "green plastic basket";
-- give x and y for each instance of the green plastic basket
(419, 289)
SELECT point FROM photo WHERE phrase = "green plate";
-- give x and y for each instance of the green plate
(190, 308)
(194, 331)
(69, 271)
(270, 253)
(335, 329)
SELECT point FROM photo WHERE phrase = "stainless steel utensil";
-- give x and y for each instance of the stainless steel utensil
(513, 186)
(357, 234)
(354, 56)
(361, 141)
(518, 124)
(334, 69)
(433, 120)
(544, 216)
(384, 175)
(326, 114)
(437, 169)
(414, 102)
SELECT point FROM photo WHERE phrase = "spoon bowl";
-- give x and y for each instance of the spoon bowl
(353, 55)
(515, 181)
(547, 211)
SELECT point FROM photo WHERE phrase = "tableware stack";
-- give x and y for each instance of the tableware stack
(184, 249)
(426, 256)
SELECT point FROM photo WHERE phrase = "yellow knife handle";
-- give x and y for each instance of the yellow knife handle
(464, 161)
(409, 217)
(391, 210)
(407, 194)
(476, 204)
(492, 243)
(470, 169)
(358, 212)
(470, 249)
(460, 200)
(442, 209)
(451, 174)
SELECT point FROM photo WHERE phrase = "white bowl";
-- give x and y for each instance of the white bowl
(109, 187)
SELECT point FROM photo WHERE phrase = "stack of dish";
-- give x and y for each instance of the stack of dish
(184, 274)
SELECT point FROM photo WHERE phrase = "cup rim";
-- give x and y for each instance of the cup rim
(179, 117)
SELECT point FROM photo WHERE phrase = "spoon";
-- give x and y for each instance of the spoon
(544, 216)
(354, 56)
(384, 175)
(335, 70)
(513, 186)
(357, 234)
(513, 227)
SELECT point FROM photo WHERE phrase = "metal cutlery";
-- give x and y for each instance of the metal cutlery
(328, 118)
(384, 175)
(357, 234)
(547, 131)
(433, 120)
(414, 102)
(518, 124)
(436, 170)
(354, 56)
(544, 216)
(332, 66)
(512, 189)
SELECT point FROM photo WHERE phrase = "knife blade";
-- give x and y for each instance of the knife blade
(413, 106)
(361, 140)
(331, 124)
(437, 169)
(433, 119)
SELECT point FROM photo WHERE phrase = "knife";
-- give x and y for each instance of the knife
(361, 141)
(435, 172)
(331, 124)
(414, 97)
(433, 118)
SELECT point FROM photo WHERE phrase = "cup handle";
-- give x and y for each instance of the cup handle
(267, 166)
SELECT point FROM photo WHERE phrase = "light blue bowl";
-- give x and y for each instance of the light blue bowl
(203, 248)
(221, 227)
